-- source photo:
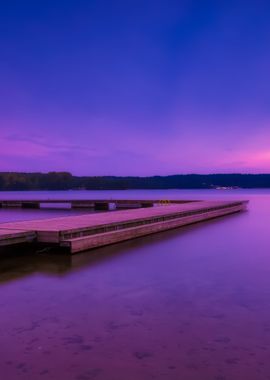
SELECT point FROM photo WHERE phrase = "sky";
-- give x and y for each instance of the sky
(135, 87)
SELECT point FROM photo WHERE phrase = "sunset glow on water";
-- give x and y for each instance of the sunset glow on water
(192, 303)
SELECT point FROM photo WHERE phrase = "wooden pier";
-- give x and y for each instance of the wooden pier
(97, 204)
(83, 232)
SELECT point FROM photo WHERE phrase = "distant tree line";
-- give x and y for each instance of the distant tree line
(66, 181)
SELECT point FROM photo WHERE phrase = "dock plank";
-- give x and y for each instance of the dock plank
(88, 242)
(12, 236)
(90, 230)
(104, 218)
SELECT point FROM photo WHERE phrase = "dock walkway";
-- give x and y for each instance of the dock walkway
(78, 233)
(97, 204)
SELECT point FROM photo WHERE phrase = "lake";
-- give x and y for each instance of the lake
(187, 304)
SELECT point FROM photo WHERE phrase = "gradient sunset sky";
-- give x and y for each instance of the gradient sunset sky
(135, 87)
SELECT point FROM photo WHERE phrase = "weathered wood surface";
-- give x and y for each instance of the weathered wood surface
(70, 223)
(92, 230)
(91, 241)
(11, 236)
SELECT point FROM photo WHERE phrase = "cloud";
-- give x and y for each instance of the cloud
(18, 145)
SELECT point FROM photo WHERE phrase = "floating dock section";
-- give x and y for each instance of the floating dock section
(83, 232)
(11, 236)
(96, 204)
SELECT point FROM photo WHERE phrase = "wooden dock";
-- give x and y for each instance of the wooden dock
(11, 236)
(83, 232)
(97, 204)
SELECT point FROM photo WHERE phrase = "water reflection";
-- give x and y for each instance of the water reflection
(189, 304)
(21, 261)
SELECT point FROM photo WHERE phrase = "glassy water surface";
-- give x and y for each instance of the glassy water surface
(187, 304)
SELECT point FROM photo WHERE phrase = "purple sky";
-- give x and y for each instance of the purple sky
(135, 87)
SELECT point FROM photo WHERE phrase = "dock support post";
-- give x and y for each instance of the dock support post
(30, 205)
(101, 205)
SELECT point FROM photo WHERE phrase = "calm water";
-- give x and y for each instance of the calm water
(188, 304)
